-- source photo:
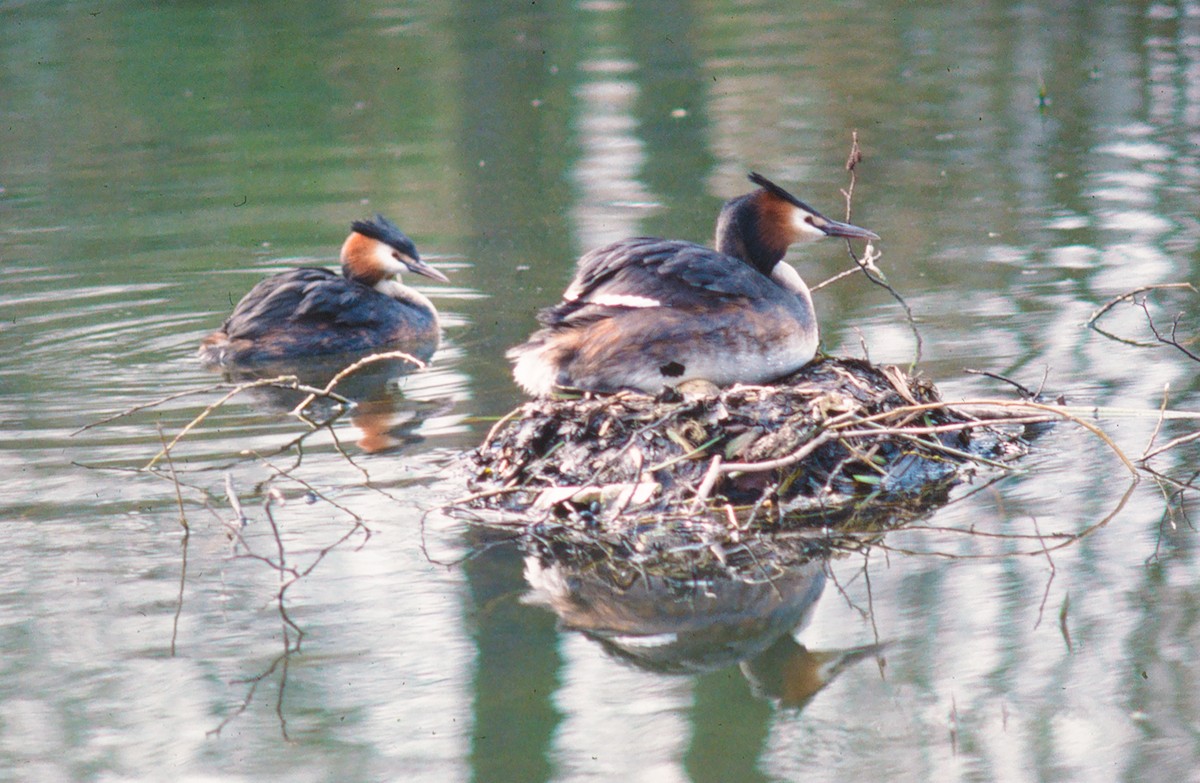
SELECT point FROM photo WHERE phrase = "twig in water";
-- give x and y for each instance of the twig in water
(234, 502)
(1093, 321)
(1053, 572)
(187, 534)
(1182, 439)
(870, 594)
(285, 473)
(1065, 539)
(254, 681)
(953, 725)
(283, 381)
(1162, 410)
(352, 368)
(208, 411)
(272, 496)
(249, 697)
(1058, 411)
(475, 550)
(1172, 340)
(1167, 519)
(1062, 621)
(829, 571)
(1116, 300)
(1024, 391)
(143, 406)
(283, 676)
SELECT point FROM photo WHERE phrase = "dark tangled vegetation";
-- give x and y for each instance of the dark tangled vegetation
(820, 440)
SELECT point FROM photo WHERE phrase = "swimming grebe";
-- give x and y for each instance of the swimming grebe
(646, 313)
(309, 311)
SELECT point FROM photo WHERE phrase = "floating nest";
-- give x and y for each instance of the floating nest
(838, 437)
(702, 491)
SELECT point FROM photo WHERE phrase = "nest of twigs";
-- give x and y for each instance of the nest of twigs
(823, 440)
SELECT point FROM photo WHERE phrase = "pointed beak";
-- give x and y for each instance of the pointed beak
(833, 228)
(422, 268)
(811, 224)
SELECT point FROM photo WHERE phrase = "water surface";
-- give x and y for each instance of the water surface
(1024, 164)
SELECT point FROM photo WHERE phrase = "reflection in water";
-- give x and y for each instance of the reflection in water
(377, 410)
(686, 617)
(611, 158)
(672, 624)
(517, 670)
(699, 610)
(672, 615)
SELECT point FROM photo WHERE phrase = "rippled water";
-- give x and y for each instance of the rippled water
(1025, 163)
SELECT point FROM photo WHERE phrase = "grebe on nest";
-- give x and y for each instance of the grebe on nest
(310, 311)
(646, 313)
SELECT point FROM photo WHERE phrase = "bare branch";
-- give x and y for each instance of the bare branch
(1172, 340)
(350, 370)
(1116, 300)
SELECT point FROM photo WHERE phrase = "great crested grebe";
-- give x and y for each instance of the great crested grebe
(310, 310)
(646, 313)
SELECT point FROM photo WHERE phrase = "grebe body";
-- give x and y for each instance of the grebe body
(313, 311)
(646, 313)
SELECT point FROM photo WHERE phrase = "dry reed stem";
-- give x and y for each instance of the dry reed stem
(835, 429)
(1058, 411)
(1181, 440)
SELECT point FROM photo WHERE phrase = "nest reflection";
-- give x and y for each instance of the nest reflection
(695, 604)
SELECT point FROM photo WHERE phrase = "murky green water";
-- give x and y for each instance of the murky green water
(156, 162)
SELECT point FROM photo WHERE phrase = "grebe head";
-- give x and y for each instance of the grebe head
(759, 227)
(377, 250)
